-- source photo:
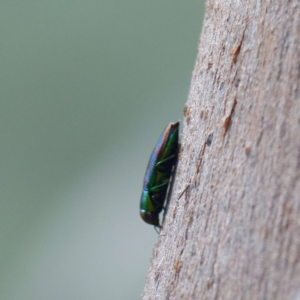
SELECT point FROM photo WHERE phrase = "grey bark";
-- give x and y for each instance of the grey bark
(235, 231)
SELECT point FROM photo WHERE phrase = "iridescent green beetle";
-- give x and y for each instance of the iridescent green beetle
(158, 175)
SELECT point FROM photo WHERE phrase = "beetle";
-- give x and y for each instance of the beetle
(158, 175)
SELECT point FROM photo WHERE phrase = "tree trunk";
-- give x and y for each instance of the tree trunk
(232, 227)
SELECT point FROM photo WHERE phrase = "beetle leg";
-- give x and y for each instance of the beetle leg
(159, 187)
(159, 205)
(163, 164)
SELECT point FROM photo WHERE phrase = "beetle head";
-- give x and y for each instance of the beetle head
(150, 217)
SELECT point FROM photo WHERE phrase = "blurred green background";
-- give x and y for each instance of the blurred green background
(86, 89)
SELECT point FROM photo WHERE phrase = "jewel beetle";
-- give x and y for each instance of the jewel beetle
(158, 175)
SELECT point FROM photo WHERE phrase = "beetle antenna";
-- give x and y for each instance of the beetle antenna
(157, 229)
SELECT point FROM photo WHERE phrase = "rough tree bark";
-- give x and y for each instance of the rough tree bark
(232, 227)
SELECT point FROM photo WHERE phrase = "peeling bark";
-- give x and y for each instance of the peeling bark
(232, 227)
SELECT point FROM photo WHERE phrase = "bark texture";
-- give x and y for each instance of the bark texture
(232, 227)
